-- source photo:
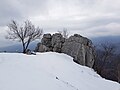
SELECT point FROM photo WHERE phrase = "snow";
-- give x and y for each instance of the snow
(48, 71)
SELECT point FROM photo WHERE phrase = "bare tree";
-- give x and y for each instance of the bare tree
(65, 33)
(108, 50)
(25, 33)
(104, 54)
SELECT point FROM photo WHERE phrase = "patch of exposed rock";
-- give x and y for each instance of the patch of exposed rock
(80, 48)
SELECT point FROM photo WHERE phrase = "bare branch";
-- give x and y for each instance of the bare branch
(65, 33)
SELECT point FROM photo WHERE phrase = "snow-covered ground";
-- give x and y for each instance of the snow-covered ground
(48, 71)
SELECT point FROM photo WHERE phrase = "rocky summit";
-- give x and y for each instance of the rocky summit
(77, 46)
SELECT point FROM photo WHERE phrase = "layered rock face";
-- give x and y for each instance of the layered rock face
(80, 48)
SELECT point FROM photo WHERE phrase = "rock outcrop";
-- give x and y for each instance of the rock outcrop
(57, 42)
(45, 44)
(80, 48)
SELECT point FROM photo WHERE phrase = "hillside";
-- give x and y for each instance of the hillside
(48, 71)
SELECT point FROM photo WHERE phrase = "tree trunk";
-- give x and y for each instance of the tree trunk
(27, 44)
(23, 46)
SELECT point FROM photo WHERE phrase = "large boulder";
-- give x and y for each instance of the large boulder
(46, 40)
(80, 48)
(57, 41)
(41, 48)
(51, 43)
(45, 44)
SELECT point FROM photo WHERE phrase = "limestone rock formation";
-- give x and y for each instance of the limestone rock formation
(80, 48)
(41, 48)
(45, 44)
(57, 41)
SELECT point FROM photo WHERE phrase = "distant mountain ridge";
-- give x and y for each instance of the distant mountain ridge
(17, 47)
(111, 39)
(115, 40)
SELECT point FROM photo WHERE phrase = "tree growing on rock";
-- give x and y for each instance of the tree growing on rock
(64, 33)
(25, 33)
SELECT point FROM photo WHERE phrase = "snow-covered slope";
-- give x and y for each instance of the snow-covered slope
(48, 71)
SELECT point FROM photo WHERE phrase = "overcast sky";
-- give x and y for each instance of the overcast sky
(90, 18)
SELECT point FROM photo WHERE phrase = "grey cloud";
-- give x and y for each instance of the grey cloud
(34, 6)
(8, 11)
(20, 10)
(62, 13)
(87, 17)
